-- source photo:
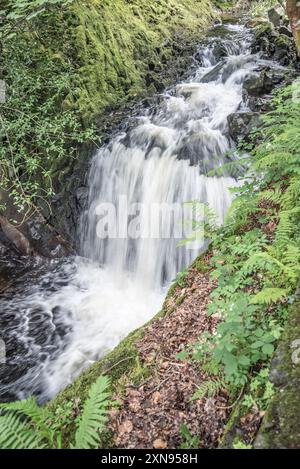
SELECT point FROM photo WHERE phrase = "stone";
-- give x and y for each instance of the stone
(241, 123)
(258, 84)
(214, 74)
(286, 31)
(258, 104)
(4, 250)
(82, 194)
(281, 425)
(276, 15)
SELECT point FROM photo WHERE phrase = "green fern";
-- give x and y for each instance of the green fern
(208, 389)
(18, 434)
(94, 416)
(25, 425)
(269, 295)
(39, 416)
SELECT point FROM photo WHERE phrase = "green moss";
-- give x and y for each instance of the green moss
(201, 265)
(281, 426)
(119, 48)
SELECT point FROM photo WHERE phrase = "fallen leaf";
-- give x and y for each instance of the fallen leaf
(125, 427)
(156, 397)
(159, 444)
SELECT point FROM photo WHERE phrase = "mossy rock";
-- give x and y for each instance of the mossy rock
(281, 425)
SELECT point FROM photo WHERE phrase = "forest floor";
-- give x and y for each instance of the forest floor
(152, 413)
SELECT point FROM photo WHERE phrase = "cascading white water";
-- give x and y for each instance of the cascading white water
(119, 283)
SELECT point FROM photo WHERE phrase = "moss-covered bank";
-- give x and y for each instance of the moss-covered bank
(78, 64)
(116, 48)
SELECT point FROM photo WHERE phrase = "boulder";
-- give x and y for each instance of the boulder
(214, 74)
(241, 123)
(258, 84)
(258, 104)
(286, 31)
(276, 15)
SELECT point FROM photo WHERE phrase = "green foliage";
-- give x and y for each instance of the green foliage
(241, 445)
(19, 13)
(66, 61)
(17, 434)
(260, 7)
(256, 255)
(180, 279)
(94, 415)
(190, 441)
(36, 139)
(25, 425)
(208, 389)
(261, 391)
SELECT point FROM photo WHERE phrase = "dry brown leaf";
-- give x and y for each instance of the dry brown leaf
(125, 427)
(156, 397)
(159, 444)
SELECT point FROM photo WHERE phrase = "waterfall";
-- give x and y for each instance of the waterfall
(82, 309)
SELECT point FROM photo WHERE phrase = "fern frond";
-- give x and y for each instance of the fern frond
(39, 416)
(17, 434)
(208, 389)
(291, 197)
(94, 415)
(273, 196)
(269, 295)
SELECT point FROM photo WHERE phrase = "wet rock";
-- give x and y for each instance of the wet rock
(44, 240)
(286, 31)
(256, 104)
(284, 52)
(214, 74)
(241, 123)
(219, 51)
(4, 250)
(16, 237)
(274, 43)
(258, 84)
(276, 15)
(82, 194)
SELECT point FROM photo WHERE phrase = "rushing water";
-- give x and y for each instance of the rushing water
(78, 311)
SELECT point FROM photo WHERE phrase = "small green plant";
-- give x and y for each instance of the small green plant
(209, 389)
(241, 445)
(25, 425)
(261, 392)
(180, 279)
(190, 441)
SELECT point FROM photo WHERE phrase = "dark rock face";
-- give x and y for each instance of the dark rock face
(286, 31)
(281, 425)
(276, 15)
(275, 43)
(258, 84)
(263, 82)
(241, 123)
(44, 240)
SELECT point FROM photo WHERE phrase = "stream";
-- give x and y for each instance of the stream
(80, 308)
